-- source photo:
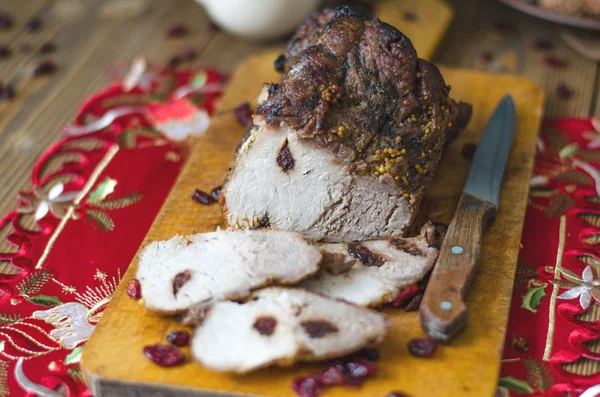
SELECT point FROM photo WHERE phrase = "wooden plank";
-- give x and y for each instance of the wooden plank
(125, 328)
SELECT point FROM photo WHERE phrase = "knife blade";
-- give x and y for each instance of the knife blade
(443, 310)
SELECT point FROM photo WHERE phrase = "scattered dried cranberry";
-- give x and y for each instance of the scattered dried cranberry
(215, 193)
(285, 160)
(486, 56)
(47, 48)
(468, 150)
(174, 62)
(6, 92)
(187, 54)
(177, 31)
(309, 386)
(397, 394)
(201, 197)
(6, 21)
(265, 325)
(243, 112)
(405, 295)
(410, 16)
(33, 24)
(414, 304)
(365, 255)
(553, 62)
(134, 289)
(543, 44)
(179, 338)
(4, 51)
(359, 370)
(563, 92)
(46, 67)
(279, 63)
(163, 355)
(333, 376)
(422, 347)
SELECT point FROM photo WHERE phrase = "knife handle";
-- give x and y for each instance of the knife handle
(443, 310)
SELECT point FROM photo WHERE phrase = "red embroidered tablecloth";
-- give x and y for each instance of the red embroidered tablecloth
(75, 233)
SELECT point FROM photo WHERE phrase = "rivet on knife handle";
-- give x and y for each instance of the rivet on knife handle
(443, 311)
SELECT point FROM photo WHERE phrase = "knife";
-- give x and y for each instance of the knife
(443, 310)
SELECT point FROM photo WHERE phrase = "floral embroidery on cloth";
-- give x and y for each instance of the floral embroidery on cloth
(116, 165)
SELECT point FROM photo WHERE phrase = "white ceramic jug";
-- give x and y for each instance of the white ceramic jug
(259, 19)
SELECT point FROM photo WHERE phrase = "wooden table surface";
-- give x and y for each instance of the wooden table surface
(484, 35)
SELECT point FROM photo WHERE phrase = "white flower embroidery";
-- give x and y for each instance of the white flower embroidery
(585, 287)
(41, 203)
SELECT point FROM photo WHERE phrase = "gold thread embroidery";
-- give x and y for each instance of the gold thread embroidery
(31, 339)
(557, 268)
(110, 154)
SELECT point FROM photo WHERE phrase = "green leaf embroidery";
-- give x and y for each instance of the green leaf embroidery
(541, 192)
(590, 218)
(44, 300)
(126, 139)
(101, 220)
(525, 270)
(9, 318)
(75, 374)
(516, 385)
(533, 298)
(75, 356)
(199, 80)
(568, 151)
(592, 238)
(589, 259)
(120, 202)
(593, 199)
(33, 283)
(559, 205)
(556, 139)
(104, 188)
(574, 176)
(539, 374)
(590, 155)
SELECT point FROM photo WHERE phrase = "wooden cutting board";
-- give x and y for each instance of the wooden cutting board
(113, 362)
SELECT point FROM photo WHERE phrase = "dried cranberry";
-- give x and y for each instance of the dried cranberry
(318, 328)
(243, 112)
(405, 295)
(543, 44)
(468, 150)
(134, 289)
(6, 21)
(180, 279)
(553, 62)
(410, 16)
(47, 48)
(563, 92)
(177, 31)
(414, 304)
(33, 24)
(163, 355)
(174, 62)
(361, 369)
(365, 255)
(309, 386)
(422, 347)
(201, 197)
(265, 325)
(46, 67)
(4, 51)
(333, 376)
(187, 54)
(178, 338)
(397, 394)
(285, 160)
(279, 63)
(486, 56)
(215, 193)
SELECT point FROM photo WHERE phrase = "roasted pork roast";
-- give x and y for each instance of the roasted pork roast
(343, 148)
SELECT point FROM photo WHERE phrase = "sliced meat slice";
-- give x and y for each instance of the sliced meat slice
(381, 268)
(281, 326)
(208, 267)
